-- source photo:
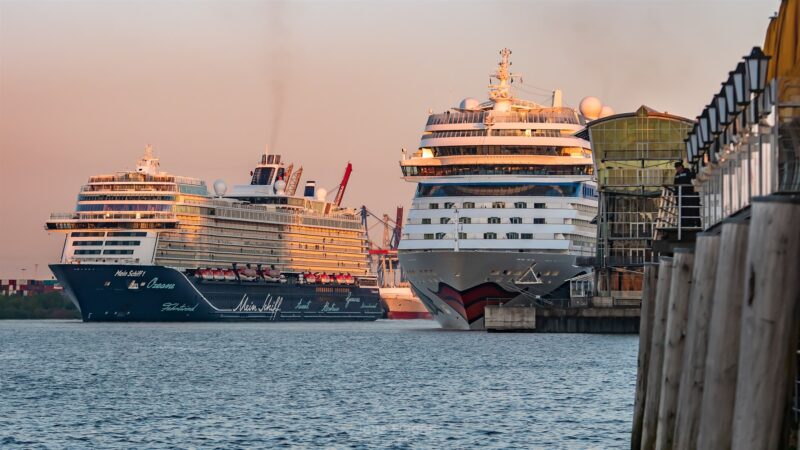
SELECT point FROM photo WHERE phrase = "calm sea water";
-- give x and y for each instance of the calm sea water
(396, 384)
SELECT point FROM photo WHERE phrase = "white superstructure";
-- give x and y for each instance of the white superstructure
(504, 203)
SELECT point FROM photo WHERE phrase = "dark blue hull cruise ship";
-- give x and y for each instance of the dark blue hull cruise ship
(149, 246)
(156, 293)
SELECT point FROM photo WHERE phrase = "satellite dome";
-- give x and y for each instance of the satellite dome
(220, 188)
(590, 107)
(321, 194)
(469, 103)
(606, 111)
(280, 187)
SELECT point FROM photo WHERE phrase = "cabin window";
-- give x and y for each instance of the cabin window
(490, 235)
(539, 205)
(464, 220)
(538, 221)
(468, 205)
(428, 235)
(527, 235)
(512, 235)
(444, 220)
(462, 235)
(515, 220)
(440, 235)
(498, 204)
(520, 205)
(494, 220)
(426, 221)
(433, 206)
(449, 205)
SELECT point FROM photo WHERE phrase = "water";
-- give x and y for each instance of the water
(397, 384)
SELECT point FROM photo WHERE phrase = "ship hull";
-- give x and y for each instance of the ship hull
(456, 287)
(162, 294)
(401, 304)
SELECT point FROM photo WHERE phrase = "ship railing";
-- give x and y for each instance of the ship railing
(113, 216)
(550, 115)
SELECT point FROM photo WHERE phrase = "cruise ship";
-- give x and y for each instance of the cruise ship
(145, 245)
(504, 204)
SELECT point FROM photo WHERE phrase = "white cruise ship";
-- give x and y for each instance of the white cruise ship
(504, 205)
(147, 245)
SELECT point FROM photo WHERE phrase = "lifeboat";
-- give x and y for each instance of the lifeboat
(324, 278)
(339, 278)
(229, 275)
(272, 275)
(348, 279)
(248, 274)
(218, 274)
(310, 278)
(204, 274)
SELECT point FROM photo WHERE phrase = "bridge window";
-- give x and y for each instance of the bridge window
(87, 243)
(87, 252)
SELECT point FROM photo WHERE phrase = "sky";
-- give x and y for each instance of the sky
(86, 85)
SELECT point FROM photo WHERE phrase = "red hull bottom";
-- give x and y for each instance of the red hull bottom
(409, 315)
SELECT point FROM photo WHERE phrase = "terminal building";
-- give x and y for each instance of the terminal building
(634, 157)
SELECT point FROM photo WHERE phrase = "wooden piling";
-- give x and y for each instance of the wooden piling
(645, 339)
(679, 292)
(768, 339)
(719, 384)
(690, 393)
(653, 390)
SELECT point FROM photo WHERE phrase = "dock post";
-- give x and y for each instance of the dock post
(645, 338)
(722, 360)
(679, 292)
(653, 391)
(690, 392)
(768, 341)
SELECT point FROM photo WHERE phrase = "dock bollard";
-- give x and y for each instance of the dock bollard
(768, 341)
(722, 356)
(679, 292)
(653, 392)
(690, 392)
(647, 316)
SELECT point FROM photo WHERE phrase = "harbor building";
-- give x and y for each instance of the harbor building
(634, 156)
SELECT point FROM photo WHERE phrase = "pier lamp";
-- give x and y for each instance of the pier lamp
(722, 107)
(739, 86)
(695, 140)
(713, 119)
(730, 97)
(705, 135)
(689, 153)
(756, 66)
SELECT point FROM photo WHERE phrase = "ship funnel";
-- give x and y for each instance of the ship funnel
(310, 190)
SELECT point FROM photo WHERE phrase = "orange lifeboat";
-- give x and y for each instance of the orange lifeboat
(229, 275)
(218, 274)
(339, 278)
(311, 278)
(348, 279)
(324, 278)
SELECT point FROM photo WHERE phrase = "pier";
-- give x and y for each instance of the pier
(718, 342)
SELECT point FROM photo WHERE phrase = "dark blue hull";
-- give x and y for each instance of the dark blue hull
(158, 293)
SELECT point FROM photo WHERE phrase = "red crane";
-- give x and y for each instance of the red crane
(343, 185)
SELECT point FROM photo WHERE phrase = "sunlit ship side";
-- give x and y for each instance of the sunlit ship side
(504, 205)
(146, 245)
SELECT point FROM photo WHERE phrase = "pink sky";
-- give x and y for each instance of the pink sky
(84, 86)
